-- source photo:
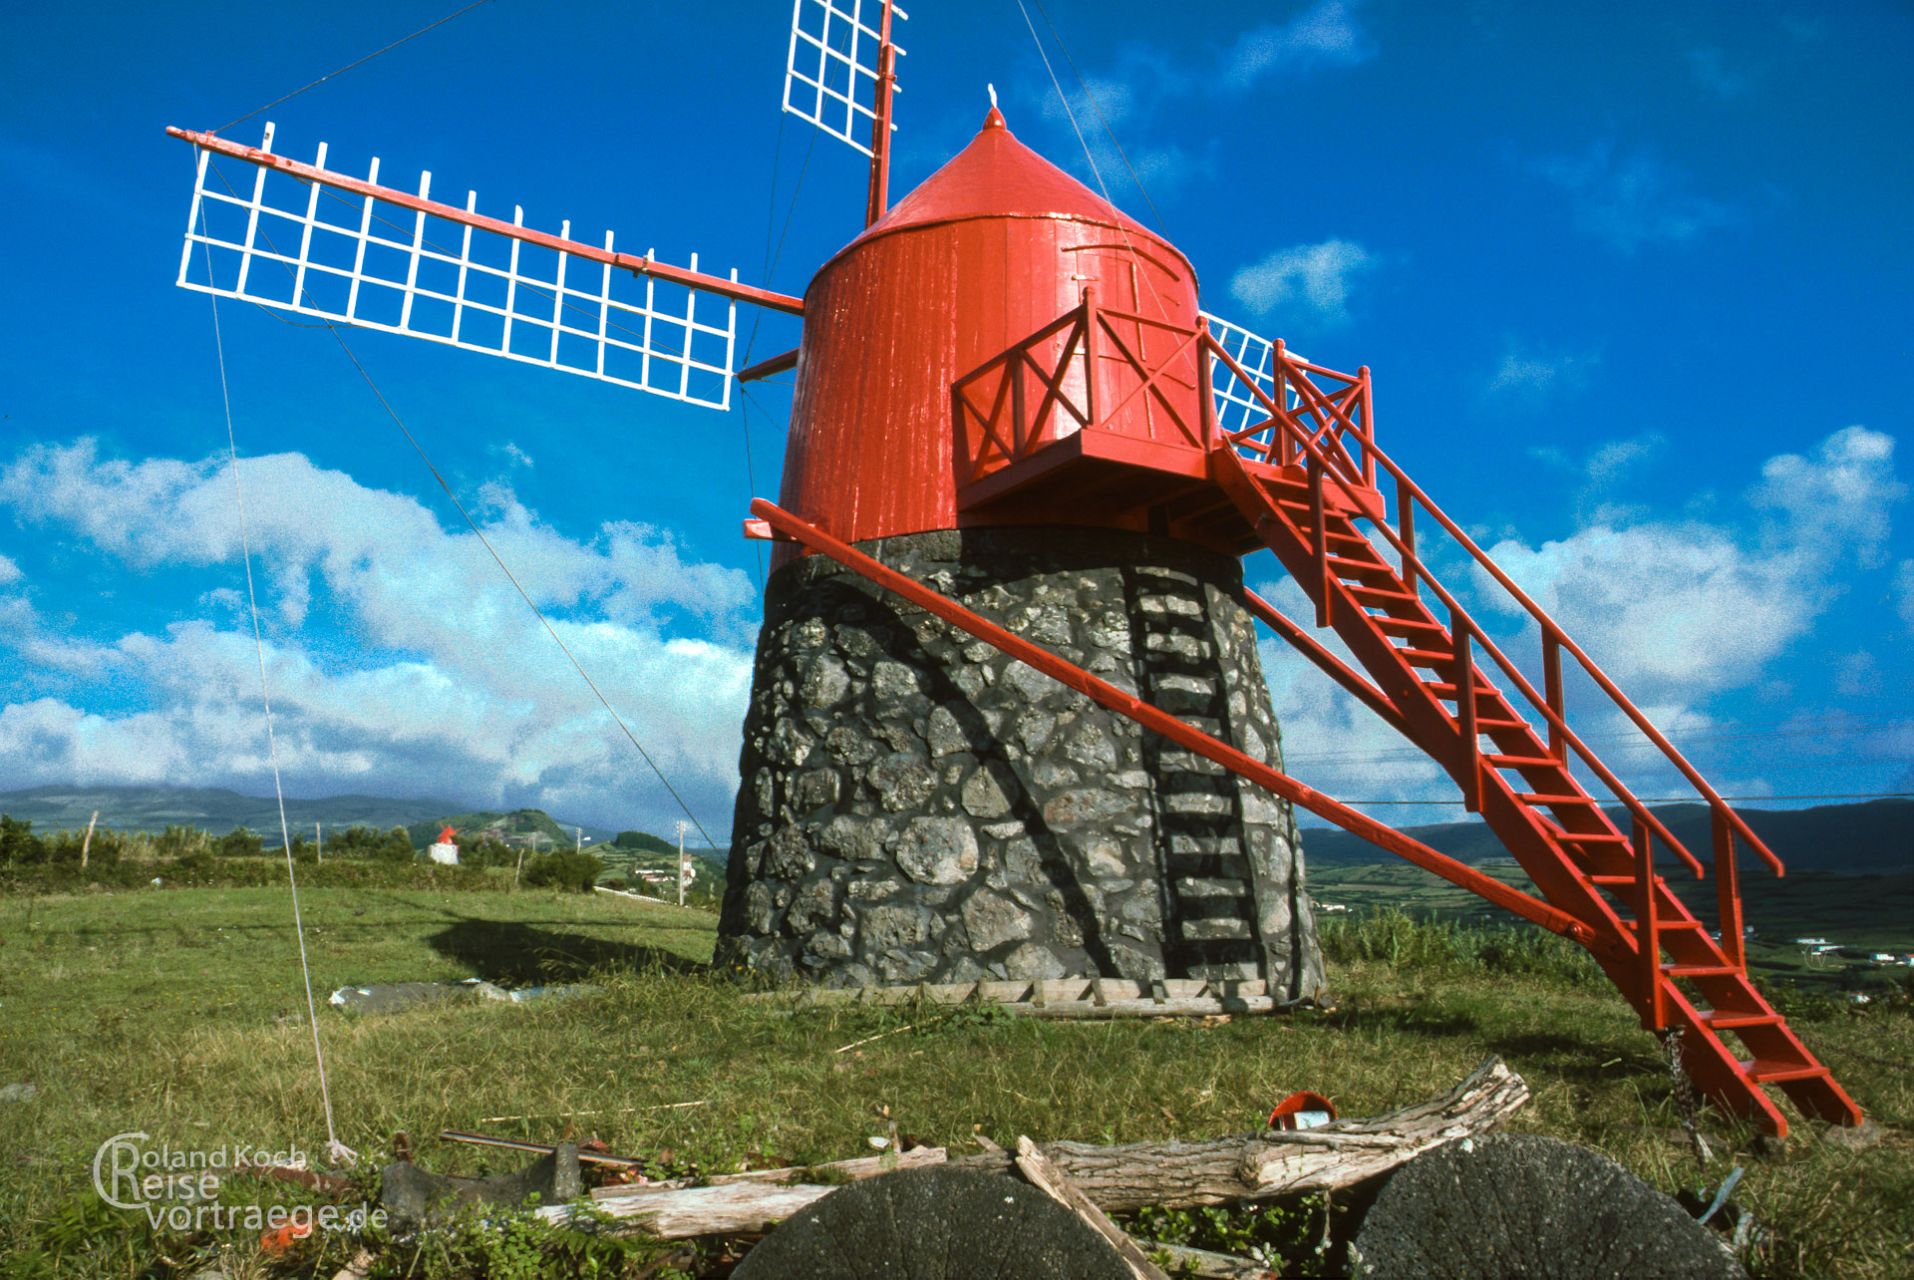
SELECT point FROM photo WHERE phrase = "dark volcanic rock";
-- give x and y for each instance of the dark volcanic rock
(939, 1223)
(1518, 1204)
(985, 821)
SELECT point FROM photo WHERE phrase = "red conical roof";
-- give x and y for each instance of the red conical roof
(997, 176)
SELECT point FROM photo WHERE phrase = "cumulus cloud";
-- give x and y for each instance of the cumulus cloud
(1904, 592)
(1676, 610)
(1632, 200)
(9, 572)
(452, 687)
(1326, 34)
(1142, 88)
(1314, 279)
(1334, 743)
(1530, 376)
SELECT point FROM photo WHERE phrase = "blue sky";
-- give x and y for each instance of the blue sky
(1635, 282)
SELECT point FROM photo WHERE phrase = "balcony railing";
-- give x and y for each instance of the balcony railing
(1090, 370)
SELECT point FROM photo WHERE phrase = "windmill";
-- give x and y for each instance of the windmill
(1008, 720)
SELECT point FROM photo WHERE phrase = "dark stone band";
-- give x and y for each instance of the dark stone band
(917, 807)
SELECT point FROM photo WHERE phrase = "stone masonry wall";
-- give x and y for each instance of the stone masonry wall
(917, 807)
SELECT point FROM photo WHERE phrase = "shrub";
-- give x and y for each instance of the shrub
(18, 844)
(564, 869)
(237, 843)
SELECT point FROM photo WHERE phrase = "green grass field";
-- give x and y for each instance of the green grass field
(180, 1013)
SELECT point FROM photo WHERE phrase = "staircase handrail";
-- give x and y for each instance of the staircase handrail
(1552, 632)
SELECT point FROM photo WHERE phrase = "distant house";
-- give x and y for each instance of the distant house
(445, 850)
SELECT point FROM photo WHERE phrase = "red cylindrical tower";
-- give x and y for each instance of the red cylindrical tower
(991, 248)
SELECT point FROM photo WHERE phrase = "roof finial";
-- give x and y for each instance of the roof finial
(995, 119)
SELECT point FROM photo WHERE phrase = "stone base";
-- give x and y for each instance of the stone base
(917, 807)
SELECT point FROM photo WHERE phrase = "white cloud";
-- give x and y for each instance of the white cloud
(1142, 88)
(1331, 741)
(1632, 200)
(1904, 592)
(1314, 278)
(454, 689)
(1676, 610)
(1325, 34)
(9, 572)
(1842, 494)
(1531, 375)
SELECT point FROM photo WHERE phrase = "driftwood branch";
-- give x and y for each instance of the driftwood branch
(1201, 1262)
(1046, 1177)
(1115, 1179)
(1280, 1162)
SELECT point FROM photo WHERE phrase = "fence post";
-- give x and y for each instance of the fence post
(1092, 397)
(1368, 436)
(1406, 525)
(1727, 890)
(1552, 678)
(1465, 713)
(1648, 929)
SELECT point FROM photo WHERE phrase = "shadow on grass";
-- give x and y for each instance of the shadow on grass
(512, 953)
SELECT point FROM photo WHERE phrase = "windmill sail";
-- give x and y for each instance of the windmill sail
(831, 76)
(1237, 405)
(301, 238)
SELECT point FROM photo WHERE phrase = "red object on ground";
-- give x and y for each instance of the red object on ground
(281, 1239)
(1299, 1109)
(448, 836)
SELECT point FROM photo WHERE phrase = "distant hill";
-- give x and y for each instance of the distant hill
(1875, 837)
(218, 810)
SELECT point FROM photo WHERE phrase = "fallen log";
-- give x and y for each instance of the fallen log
(1278, 1162)
(1120, 1179)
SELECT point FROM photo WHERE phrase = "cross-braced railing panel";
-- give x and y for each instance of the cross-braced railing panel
(1090, 367)
(830, 76)
(306, 245)
(1092, 364)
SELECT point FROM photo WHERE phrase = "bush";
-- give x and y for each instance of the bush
(237, 843)
(565, 869)
(18, 844)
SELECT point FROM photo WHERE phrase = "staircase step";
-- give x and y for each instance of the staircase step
(1722, 1020)
(1667, 926)
(1496, 722)
(1382, 593)
(1406, 625)
(1424, 657)
(1447, 690)
(1763, 1071)
(1700, 970)
(1587, 837)
(1541, 797)
(1371, 565)
(1520, 762)
(1330, 535)
(1611, 882)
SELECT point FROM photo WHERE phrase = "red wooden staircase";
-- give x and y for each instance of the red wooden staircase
(1108, 414)
(1519, 778)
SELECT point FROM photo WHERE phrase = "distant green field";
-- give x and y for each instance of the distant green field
(1865, 913)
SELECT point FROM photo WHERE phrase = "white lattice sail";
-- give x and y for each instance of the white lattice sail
(299, 238)
(831, 76)
(1236, 405)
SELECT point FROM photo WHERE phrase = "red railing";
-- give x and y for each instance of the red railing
(1084, 371)
(1325, 466)
(1082, 367)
